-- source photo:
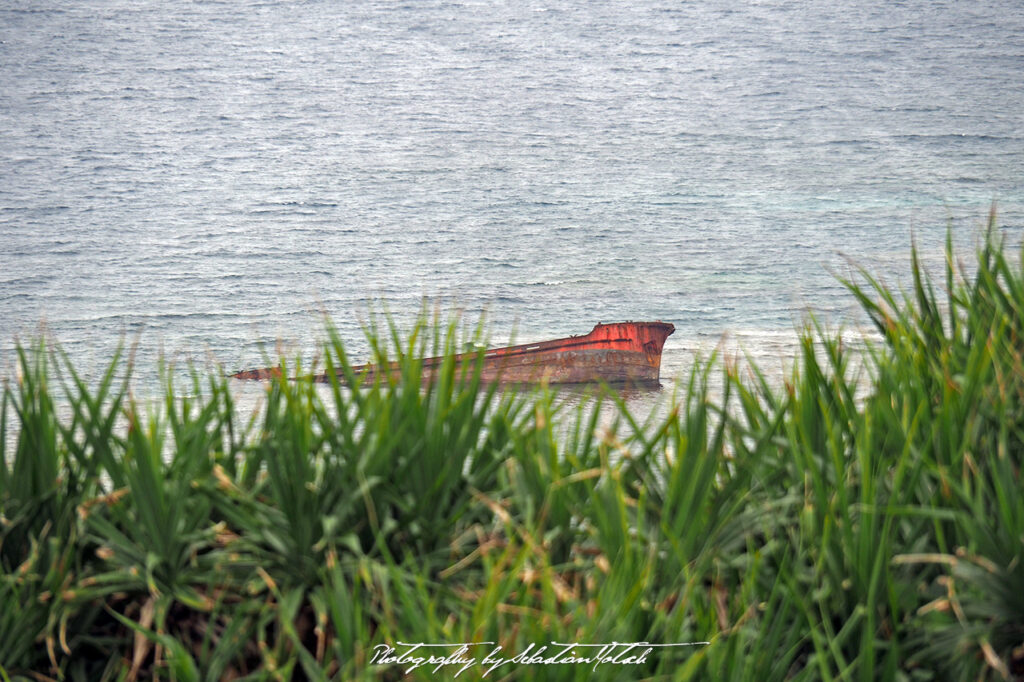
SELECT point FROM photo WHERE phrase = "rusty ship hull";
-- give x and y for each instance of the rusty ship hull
(617, 353)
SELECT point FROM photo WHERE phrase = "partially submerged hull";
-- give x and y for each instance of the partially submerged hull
(618, 353)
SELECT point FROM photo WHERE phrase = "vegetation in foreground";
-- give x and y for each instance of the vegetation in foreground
(852, 524)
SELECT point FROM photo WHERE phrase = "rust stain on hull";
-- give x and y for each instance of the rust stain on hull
(618, 353)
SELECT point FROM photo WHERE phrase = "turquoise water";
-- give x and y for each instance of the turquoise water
(207, 178)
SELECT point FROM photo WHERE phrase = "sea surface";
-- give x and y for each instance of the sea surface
(205, 180)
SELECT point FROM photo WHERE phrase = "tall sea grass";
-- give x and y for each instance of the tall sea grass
(861, 520)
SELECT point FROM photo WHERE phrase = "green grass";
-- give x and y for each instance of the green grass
(862, 520)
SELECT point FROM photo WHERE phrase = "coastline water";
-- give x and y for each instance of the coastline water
(208, 179)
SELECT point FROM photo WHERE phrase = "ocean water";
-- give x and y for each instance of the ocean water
(206, 179)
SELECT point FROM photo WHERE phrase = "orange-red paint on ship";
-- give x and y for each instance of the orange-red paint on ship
(618, 353)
